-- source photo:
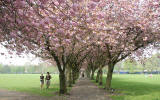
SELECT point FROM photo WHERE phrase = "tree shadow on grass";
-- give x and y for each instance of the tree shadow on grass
(137, 88)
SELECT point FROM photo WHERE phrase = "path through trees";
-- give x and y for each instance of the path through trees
(84, 89)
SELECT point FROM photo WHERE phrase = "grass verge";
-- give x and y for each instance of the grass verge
(29, 83)
(136, 87)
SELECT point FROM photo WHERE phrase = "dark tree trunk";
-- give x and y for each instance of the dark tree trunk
(92, 75)
(62, 78)
(88, 72)
(69, 77)
(97, 77)
(77, 75)
(100, 76)
(109, 76)
(73, 77)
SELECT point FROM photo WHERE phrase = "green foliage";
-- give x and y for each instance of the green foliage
(136, 87)
(5, 69)
(27, 69)
(29, 83)
(153, 63)
(130, 65)
(150, 64)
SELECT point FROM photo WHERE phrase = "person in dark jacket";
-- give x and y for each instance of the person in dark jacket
(48, 78)
(42, 81)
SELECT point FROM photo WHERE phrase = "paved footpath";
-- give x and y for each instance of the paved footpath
(13, 95)
(84, 89)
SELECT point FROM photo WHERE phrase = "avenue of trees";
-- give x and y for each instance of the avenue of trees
(80, 34)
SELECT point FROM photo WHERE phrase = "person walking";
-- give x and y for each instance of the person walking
(42, 81)
(48, 78)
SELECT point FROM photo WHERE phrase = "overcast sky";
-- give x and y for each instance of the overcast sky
(14, 59)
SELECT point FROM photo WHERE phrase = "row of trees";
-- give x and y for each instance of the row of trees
(27, 69)
(76, 34)
(149, 64)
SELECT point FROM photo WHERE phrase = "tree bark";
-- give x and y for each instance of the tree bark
(92, 76)
(100, 76)
(97, 77)
(73, 77)
(69, 77)
(77, 75)
(88, 72)
(62, 78)
(109, 76)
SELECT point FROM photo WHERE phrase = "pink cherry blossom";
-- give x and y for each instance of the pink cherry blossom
(92, 6)
(96, 0)
(55, 30)
(61, 1)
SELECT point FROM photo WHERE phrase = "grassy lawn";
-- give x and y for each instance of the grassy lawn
(131, 87)
(136, 87)
(29, 83)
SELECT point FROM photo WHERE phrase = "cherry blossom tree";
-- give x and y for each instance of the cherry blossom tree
(131, 26)
(96, 59)
(44, 28)
(48, 28)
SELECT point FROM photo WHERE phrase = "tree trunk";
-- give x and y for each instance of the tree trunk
(67, 76)
(92, 76)
(97, 77)
(73, 77)
(62, 78)
(100, 76)
(70, 78)
(109, 76)
(77, 75)
(88, 72)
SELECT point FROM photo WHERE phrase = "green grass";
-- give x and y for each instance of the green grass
(29, 83)
(136, 87)
(131, 87)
